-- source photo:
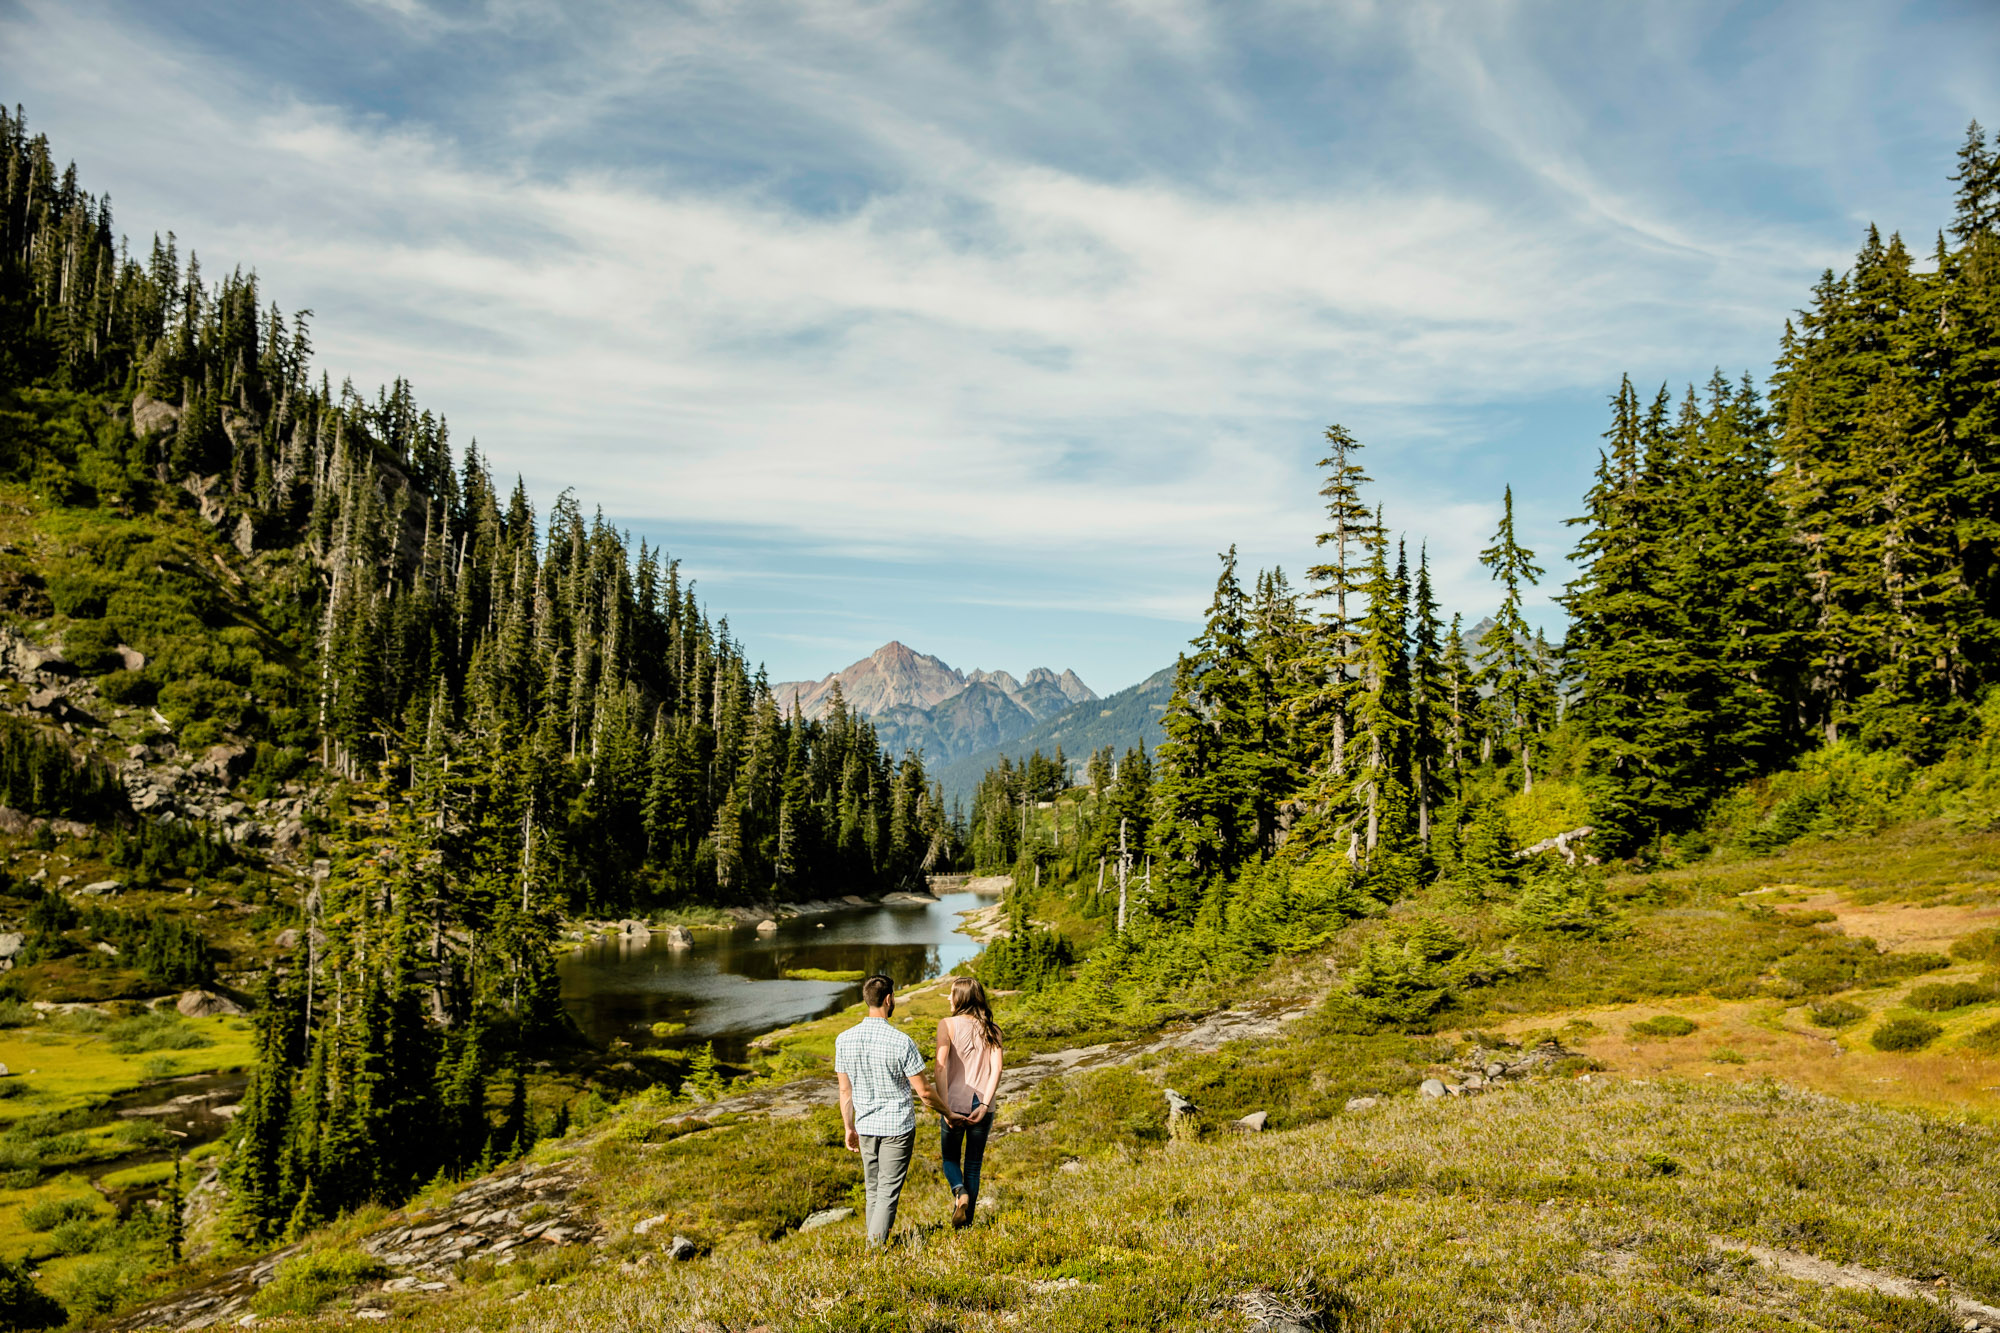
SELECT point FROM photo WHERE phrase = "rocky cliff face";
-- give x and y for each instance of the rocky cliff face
(920, 702)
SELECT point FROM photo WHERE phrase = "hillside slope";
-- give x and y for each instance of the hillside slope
(1129, 719)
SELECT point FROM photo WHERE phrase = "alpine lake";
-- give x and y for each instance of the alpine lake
(732, 985)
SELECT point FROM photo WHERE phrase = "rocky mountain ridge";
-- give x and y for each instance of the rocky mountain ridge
(920, 702)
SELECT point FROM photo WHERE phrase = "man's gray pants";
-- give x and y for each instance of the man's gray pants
(885, 1161)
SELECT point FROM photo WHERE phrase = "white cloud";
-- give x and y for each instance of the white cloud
(985, 348)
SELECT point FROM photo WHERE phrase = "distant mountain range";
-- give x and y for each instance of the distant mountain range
(920, 702)
(1129, 719)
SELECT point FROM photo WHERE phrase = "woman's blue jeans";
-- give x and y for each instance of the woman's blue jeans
(964, 1149)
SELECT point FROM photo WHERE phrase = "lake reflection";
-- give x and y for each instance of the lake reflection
(730, 987)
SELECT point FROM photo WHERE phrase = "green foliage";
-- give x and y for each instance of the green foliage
(305, 1282)
(1980, 946)
(1662, 1026)
(41, 776)
(22, 1303)
(1837, 1013)
(1408, 975)
(1942, 997)
(1904, 1034)
(1984, 1041)
(1830, 963)
(1566, 901)
(155, 1030)
(48, 1214)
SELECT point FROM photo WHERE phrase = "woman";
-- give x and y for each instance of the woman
(968, 1066)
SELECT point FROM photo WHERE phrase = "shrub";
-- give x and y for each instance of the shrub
(1666, 1025)
(128, 687)
(1406, 976)
(1726, 1055)
(16, 1013)
(79, 1235)
(101, 1285)
(158, 1030)
(1981, 946)
(1905, 1034)
(1939, 997)
(1837, 1013)
(48, 1214)
(307, 1281)
(22, 1304)
(92, 646)
(1566, 901)
(1986, 1041)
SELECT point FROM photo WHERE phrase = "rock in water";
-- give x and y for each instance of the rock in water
(767, 927)
(679, 938)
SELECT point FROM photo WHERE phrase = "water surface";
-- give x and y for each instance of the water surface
(730, 987)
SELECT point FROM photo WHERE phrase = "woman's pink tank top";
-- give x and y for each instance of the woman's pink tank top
(973, 1062)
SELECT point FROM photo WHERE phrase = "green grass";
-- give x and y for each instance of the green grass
(823, 974)
(1558, 1204)
(305, 1282)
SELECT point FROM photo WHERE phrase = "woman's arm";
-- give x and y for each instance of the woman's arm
(946, 1058)
(989, 1087)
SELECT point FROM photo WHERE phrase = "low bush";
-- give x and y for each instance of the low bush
(128, 687)
(48, 1214)
(1981, 946)
(1904, 1034)
(158, 1030)
(1727, 1055)
(1837, 1013)
(1941, 997)
(1666, 1025)
(17, 1014)
(305, 1282)
(22, 1303)
(1986, 1041)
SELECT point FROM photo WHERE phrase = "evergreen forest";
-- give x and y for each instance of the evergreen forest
(526, 717)
(1785, 605)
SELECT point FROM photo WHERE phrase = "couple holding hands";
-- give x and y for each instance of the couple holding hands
(880, 1067)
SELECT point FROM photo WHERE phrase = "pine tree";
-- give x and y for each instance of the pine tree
(1509, 665)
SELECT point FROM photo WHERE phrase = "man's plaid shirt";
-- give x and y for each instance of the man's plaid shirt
(879, 1060)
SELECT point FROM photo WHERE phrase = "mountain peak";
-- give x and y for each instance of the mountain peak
(897, 676)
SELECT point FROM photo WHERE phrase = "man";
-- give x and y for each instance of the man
(879, 1067)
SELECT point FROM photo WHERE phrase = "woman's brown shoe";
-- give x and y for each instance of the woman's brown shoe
(961, 1210)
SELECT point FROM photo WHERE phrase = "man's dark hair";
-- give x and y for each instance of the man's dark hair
(876, 989)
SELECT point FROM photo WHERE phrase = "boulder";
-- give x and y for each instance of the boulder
(130, 658)
(287, 938)
(10, 944)
(680, 1247)
(101, 888)
(1360, 1103)
(767, 927)
(150, 416)
(825, 1217)
(679, 938)
(638, 931)
(1254, 1122)
(646, 1224)
(1432, 1087)
(206, 1004)
(13, 822)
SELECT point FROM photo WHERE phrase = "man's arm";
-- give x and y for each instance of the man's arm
(928, 1095)
(847, 1113)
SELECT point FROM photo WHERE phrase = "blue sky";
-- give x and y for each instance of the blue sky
(985, 326)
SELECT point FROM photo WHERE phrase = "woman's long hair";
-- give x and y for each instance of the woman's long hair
(969, 997)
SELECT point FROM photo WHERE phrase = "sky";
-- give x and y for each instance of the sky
(986, 327)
